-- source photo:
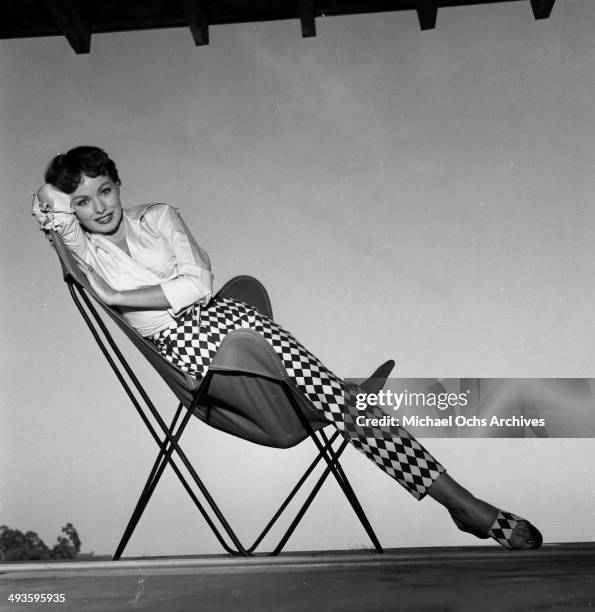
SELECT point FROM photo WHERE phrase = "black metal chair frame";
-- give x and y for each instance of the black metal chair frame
(327, 450)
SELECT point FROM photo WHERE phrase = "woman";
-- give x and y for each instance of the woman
(145, 262)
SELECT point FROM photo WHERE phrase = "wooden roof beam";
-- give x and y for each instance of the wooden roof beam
(195, 12)
(542, 8)
(306, 10)
(72, 22)
(427, 11)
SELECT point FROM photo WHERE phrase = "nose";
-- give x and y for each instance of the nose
(99, 206)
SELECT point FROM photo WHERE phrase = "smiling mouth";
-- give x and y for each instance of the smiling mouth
(105, 219)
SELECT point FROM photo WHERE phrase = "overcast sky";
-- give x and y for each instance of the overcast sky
(425, 196)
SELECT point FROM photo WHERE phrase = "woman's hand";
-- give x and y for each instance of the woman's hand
(54, 200)
(46, 202)
(102, 289)
(42, 211)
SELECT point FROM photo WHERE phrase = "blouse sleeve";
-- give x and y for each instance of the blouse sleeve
(194, 280)
(65, 223)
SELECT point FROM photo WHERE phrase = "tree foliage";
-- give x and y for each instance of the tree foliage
(18, 546)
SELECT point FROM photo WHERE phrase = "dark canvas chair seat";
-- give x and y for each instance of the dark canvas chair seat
(246, 392)
(248, 395)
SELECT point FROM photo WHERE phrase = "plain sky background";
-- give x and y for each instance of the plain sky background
(426, 196)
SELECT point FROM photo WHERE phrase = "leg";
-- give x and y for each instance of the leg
(191, 346)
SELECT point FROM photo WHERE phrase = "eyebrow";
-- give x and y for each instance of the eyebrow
(103, 184)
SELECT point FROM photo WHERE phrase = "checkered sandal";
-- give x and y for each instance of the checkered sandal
(502, 529)
(504, 526)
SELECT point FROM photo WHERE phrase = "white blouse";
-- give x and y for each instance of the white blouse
(162, 252)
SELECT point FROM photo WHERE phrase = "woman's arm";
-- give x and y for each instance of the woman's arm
(51, 209)
(194, 281)
(151, 298)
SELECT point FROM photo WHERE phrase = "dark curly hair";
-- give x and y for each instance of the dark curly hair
(66, 170)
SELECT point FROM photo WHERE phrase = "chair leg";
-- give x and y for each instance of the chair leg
(308, 502)
(161, 462)
(157, 471)
(356, 505)
(290, 497)
(147, 492)
(337, 473)
(163, 458)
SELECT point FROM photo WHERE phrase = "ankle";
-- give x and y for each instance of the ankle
(450, 493)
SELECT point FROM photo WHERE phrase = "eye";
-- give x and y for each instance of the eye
(106, 190)
(82, 202)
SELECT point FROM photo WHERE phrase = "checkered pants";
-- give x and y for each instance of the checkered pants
(194, 338)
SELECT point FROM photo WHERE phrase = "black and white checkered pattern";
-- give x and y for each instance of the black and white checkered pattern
(192, 343)
(503, 527)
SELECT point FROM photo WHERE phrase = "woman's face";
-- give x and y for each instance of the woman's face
(96, 204)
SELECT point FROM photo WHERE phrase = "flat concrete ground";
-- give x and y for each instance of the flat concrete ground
(557, 577)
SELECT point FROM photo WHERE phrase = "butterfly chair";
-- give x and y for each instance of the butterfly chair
(246, 392)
